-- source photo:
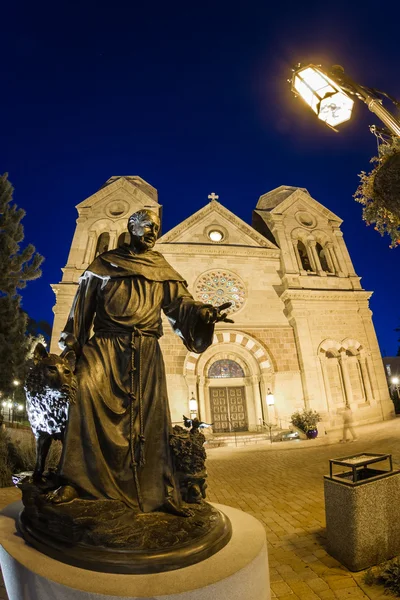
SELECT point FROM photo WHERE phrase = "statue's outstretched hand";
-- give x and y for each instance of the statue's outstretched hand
(214, 314)
(71, 344)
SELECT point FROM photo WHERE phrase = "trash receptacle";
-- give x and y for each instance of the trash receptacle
(362, 510)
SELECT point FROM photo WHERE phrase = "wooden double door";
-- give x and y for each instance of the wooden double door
(228, 409)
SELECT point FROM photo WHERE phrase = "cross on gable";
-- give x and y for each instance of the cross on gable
(213, 196)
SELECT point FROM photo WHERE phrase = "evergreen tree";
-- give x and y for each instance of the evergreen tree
(16, 268)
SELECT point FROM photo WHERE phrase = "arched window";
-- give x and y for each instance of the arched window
(103, 242)
(322, 258)
(225, 368)
(305, 261)
(124, 238)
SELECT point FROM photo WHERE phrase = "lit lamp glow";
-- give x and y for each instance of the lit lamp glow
(193, 407)
(270, 398)
(325, 97)
(395, 380)
(215, 235)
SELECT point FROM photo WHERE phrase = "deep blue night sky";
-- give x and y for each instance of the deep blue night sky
(193, 98)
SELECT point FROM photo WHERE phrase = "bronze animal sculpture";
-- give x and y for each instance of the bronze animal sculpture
(50, 388)
(189, 458)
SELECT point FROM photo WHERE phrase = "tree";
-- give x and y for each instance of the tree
(39, 328)
(17, 267)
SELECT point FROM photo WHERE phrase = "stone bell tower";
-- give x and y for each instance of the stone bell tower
(326, 306)
(101, 226)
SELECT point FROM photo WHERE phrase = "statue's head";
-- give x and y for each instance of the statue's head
(143, 226)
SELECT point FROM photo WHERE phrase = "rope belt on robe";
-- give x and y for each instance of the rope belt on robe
(134, 333)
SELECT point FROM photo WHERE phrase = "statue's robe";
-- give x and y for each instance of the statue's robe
(120, 299)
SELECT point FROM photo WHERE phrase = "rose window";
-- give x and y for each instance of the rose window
(218, 287)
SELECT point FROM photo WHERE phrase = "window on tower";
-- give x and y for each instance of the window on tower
(103, 243)
(305, 261)
(124, 238)
(322, 258)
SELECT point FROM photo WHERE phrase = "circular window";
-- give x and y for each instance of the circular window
(218, 287)
(305, 219)
(117, 208)
(215, 235)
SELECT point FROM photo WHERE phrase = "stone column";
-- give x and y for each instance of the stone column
(113, 240)
(325, 376)
(346, 266)
(346, 377)
(288, 258)
(315, 258)
(297, 255)
(298, 318)
(255, 384)
(331, 258)
(204, 407)
(362, 360)
(89, 254)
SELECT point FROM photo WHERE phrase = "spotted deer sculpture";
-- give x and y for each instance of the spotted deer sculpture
(50, 388)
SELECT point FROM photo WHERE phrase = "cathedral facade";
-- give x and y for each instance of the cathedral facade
(302, 334)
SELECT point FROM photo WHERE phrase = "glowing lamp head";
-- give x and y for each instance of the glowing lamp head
(395, 380)
(193, 404)
(323, 95)
(270, 398)
(16, 382)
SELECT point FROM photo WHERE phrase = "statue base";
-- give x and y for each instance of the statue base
(107, 536)
(239, 571)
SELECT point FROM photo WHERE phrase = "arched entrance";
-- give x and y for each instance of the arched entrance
(237, 371)
(227, 396)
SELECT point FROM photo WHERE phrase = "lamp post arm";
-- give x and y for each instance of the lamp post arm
(384, 115)
(374, 104)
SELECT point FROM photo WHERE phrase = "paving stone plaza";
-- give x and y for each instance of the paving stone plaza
(282, 486)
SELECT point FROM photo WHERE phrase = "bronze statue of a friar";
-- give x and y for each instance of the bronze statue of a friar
(117, 481)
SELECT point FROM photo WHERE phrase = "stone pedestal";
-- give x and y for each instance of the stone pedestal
(237, 572)
(363, 521)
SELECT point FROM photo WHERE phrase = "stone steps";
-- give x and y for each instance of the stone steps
(217, 441)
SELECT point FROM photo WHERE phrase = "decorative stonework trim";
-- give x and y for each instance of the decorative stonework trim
(346, 344)
(221, 338)
(187, 249)
(265, 364)
(334, 295)
(216, 207)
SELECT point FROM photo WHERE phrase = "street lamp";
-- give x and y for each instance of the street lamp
(328, 94)
(193, 407)
(16, 383)
(270, 398)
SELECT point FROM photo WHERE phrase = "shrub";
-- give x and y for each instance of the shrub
(5, 462)
(18, 453)
(389, 576)
(305, 420)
